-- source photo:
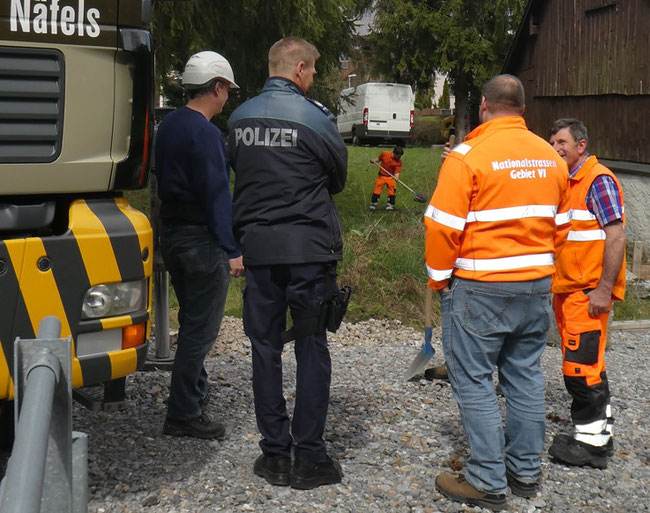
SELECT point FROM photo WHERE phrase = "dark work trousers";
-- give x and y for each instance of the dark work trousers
(200, 274)
(270, 290)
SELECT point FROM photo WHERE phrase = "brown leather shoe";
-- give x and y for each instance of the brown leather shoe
(439, 372)
(456, 488)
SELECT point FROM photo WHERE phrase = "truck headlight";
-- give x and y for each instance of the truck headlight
(107, 300)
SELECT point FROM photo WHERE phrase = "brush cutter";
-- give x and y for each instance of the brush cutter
(426, 353)
(417, 196)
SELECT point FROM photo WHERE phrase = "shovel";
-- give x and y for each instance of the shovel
(426, 353)
(417, 196)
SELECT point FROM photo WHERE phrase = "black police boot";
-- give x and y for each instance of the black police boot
(274, 468)
(307, 474)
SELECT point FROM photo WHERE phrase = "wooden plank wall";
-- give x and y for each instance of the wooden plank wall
(618, 126)
(594, 66)
(602, 51)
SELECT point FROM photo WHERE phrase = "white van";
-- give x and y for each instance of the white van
(376, 111)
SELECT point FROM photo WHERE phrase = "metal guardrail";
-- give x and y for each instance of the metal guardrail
(48, 470)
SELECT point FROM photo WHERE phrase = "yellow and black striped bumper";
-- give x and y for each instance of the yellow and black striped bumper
(107, 241)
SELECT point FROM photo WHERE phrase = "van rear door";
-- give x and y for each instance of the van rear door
(389, 107)
(379, 106)
(401, 103)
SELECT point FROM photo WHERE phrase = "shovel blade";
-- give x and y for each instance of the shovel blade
(419, 198)
(420, 362)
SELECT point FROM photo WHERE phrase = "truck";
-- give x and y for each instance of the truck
(376, 111)
(76, 120)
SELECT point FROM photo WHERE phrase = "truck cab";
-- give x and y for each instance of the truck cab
(76, 120)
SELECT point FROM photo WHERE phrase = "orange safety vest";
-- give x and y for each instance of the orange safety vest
(500, 211)
(580, 264)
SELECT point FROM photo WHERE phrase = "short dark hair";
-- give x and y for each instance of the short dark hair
(202, 90)
(504, 92)
(576, 127)
(289, 51)
(398, 151)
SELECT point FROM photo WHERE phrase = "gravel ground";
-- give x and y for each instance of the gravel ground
(391, 437)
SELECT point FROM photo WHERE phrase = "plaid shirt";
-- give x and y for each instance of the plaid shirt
(603, 199)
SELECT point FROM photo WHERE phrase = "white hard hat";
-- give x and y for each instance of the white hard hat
(205, 66)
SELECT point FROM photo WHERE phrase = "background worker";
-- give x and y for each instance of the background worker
(197, 242)
(590, 275)
(289, 160)
(391, 162)
(496, 220)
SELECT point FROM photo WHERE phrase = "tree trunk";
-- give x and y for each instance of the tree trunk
(461, 92)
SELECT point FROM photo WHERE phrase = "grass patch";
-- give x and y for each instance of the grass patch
(383, 257)
(633, 307)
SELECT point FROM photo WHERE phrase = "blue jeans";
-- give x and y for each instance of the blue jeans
(487, 325)
(200, 273)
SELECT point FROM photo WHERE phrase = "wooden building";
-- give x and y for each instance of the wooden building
(590, 59)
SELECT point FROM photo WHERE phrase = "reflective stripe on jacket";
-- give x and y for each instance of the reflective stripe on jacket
(500, 209)
(580, 264)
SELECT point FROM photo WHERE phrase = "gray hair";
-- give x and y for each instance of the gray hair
(577, 128)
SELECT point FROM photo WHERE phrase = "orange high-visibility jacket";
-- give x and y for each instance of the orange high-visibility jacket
(500, 211)
(580, 264)
(387, 161)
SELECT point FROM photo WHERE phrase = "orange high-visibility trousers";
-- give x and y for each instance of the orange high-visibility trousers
(583, 365)
(583, 337)
(384, 181)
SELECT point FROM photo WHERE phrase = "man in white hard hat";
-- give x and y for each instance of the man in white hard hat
(197, 241)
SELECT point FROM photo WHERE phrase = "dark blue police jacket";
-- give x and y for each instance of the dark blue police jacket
(289, 160)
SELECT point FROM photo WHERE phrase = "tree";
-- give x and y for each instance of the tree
(423, 98)
(466, 39)
(243, 32)
(443, 101)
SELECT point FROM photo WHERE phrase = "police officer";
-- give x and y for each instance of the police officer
(197, 242)
(289, 160)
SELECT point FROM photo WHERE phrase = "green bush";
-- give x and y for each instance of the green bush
(426, 131)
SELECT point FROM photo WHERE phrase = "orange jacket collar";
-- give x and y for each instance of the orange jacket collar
(586, 167)
(498, 124)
